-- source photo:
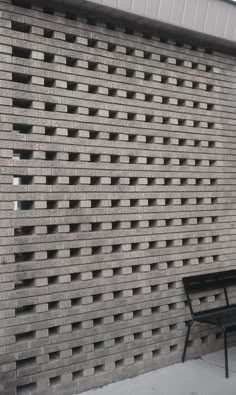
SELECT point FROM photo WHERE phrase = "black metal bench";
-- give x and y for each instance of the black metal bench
(223, 317)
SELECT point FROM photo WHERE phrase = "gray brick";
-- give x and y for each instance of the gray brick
(125, 184)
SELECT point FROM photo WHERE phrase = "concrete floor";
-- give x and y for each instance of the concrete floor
(203, 376)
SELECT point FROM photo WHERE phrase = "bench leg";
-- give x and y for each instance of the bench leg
(186, 340)
(226, 355)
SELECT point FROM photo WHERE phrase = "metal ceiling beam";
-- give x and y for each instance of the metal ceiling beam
(213, 19)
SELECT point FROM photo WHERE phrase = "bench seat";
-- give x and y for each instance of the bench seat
(223, 317)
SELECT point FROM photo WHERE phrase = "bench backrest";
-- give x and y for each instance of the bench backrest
(209, 281)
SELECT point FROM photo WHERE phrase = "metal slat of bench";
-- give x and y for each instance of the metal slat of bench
(223, 317)
(209, 281)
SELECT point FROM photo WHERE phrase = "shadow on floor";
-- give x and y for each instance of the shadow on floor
(204, 376)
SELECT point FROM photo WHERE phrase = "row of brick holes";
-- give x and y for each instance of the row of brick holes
(111, 47)
(75, 326)
(25, 53)
(101, 344)
(98, 345)
(119, 271)
(97, 250)
(95, 112)
(51, 131)
(98, 298)
(103, 297)
(93, 21)
(27, 362)
(93, 89)
(98, 369)
(116, 225)
(25, 154)
(74, 180)
(72, 204)
(101, 368)
(127, 30)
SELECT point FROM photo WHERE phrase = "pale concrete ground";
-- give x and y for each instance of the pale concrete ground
(205, 376)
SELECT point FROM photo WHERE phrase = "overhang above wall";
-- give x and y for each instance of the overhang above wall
(214, 20)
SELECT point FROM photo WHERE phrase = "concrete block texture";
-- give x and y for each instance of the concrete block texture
(117, 179)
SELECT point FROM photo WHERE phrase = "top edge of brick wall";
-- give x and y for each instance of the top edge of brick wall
(211, 20)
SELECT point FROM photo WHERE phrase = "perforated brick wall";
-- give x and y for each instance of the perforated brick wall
(117, 178)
